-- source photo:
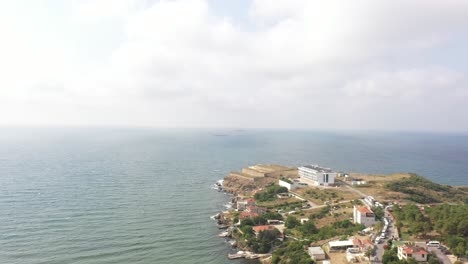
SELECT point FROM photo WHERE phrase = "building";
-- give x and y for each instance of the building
(260, 228)
(256, 209)
(318, 175)
(363, 215)
(316, 253)
(363, 245)
(244, 215)
(417, 253)
(241, 205)
(340, 245)
(291, 184)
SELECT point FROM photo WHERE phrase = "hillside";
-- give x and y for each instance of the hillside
(410, 187)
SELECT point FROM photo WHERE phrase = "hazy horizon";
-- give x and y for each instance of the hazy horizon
(245, 64)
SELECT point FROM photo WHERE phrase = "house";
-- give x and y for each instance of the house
(241, 205)
(363, 215)
(358, 182)
(318, 175)
(291, 184)
(363, 245)
(260, 228)
(417, 253)
(244, 215)
(256, 209)
(316, 253)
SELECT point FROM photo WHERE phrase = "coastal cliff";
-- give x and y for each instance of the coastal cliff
(256, 177)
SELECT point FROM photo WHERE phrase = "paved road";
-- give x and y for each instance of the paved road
(379, 247)
(441, 256)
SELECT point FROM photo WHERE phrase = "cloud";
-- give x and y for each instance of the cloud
(296, 63)
(408, 84)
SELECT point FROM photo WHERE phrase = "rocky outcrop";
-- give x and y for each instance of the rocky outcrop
(239, 185)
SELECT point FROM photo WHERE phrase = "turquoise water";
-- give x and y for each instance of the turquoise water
(143, 196)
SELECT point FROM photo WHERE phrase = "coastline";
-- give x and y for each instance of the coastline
(241, 187)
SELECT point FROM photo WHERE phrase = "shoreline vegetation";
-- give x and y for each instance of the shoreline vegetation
(271, 223)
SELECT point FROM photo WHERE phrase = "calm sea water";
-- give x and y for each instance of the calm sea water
(88, 196)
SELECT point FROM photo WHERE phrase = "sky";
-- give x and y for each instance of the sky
(346, 65)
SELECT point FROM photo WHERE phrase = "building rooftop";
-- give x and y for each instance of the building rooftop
(247, 214)
(250, 200)
(364, 210)
(260, 228)
(318, 168)
(413, 250)
(345, 243)
(316, 250)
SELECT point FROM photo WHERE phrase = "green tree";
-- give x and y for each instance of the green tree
(431, 259)
(459, 250)
(411, 261)
(291, 222)
(379, 212)
(247, 230)
(389, 256)
(308, 228)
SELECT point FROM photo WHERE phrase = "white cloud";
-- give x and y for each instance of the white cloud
(408, 84)
(330, 64)
(97, 10)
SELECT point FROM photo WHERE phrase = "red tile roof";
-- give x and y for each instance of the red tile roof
(357, 242)
(247, 214)
(364, 210)
(257, 229)
(414, 250)
(251, 200)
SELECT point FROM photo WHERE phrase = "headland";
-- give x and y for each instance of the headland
(311, 214)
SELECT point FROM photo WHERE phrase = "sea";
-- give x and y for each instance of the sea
(143, 195)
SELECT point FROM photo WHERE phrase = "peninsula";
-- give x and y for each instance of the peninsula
(313, 214)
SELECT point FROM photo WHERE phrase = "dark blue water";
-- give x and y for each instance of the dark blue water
(143, 196)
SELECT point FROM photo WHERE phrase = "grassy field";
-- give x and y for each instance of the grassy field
(409, 187)
(376, 184)
(343, 212)
(279, 202)
(321, 195)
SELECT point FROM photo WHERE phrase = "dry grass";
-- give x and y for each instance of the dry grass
(319, 195)
(376, 185)
(343, 214)
(278, 202)
(329, 219)
(337, 258)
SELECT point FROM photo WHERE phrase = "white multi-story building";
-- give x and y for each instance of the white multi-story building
(363, 215)
(317, 174)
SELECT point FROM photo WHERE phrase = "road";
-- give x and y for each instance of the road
(441, 256)
(345, 184)
(379, 247)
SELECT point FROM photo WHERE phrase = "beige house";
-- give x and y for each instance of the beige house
(316, 253)
(405, 252)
